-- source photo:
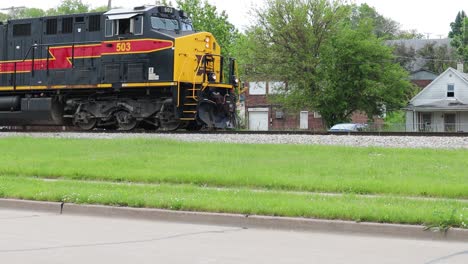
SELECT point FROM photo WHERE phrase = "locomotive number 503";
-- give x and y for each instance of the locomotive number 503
(123, 47)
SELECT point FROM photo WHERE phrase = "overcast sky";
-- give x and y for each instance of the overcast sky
(426, 16)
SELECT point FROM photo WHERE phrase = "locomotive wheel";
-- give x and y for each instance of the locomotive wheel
(194, 126)
(169, 125)
(125, 120)
(167, 118)
(85, 121)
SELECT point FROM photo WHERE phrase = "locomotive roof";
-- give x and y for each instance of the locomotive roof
(139, 9)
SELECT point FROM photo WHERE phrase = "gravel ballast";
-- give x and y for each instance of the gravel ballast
(337, 140)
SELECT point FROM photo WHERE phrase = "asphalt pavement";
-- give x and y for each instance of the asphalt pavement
(41, 237)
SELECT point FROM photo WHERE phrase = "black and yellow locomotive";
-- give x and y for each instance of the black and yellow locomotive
(120, 69)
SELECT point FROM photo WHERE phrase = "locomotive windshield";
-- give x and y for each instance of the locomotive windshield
(186, 25)
(164, 23)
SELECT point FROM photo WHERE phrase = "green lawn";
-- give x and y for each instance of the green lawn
(410, 172)
(242, 178)
(188, 197)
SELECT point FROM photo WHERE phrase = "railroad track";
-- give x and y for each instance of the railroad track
(52, 129)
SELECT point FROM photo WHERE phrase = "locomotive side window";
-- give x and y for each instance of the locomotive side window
(124, 24)
(21, 30)
(164, 23)
(109, 28)
(51, 26)
(137, 25)
(67, 25)
(94, 23)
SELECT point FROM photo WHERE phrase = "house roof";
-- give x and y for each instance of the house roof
(444, 104)
(462, 76)
(423, 74)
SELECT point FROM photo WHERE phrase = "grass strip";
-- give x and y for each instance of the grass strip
(442, 213)
(410, 172)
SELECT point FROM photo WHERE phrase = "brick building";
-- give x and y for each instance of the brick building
(261, 114)
(422, 78)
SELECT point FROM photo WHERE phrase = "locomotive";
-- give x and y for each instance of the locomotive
(124, 68)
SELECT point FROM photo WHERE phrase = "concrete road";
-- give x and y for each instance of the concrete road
(37, 237)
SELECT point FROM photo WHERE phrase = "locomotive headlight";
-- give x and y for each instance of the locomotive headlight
(207, 40)
(212, 77)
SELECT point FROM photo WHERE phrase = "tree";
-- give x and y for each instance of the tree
(332, 64)
(67, 7)
(28, 13)
(457, 25)
(437, 58)
(99, 9)
(384, 27)
(358, 74)
(405, 56)
(205, 17)
(459, 35)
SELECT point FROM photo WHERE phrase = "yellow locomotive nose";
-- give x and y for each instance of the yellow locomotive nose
(189, 52)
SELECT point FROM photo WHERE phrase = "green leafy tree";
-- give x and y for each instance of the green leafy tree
(459, 35)
(19, 13)
(4, 17)
(384, 27)
(457, 25)
(332, 64)
(437, 58)
(99, 9)
(67, 7)
(29, 13)
(359, 75)
(405, 56)
(205, 17)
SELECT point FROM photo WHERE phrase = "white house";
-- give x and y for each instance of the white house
(442, 106)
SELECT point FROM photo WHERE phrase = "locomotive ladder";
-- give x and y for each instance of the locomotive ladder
(190, 104)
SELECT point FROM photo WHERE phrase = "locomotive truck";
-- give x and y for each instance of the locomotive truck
(145, 66)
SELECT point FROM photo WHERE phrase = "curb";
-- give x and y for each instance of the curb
(245, 221)
(50, 207)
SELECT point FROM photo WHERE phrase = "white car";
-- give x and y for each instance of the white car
(348, 127)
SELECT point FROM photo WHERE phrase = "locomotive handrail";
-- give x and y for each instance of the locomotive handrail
(23, 60)
(178, 81)
(34, 46)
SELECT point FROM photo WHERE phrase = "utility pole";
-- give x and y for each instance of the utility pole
(13, 11)
(13, 8)
(109, 4)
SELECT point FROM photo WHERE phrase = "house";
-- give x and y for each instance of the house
(262, 114)
(442, 106)
(422, 78)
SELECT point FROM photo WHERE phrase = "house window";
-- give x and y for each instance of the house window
(276, 87)
(257, 88)
(426, 122)
(450, 90)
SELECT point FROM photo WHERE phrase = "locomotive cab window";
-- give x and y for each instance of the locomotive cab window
(186, 25)
(127, 24)
(164, 23)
